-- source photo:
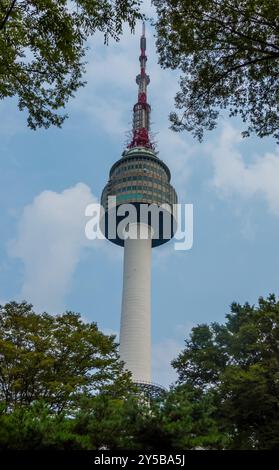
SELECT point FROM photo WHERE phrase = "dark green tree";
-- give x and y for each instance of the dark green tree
(111, 423)
(42, 48)
(228, 54)
(36, 427)
(101, 421)
(181, 419)
(188, 420)
(57, 359)
(238, 364)
(62, 386)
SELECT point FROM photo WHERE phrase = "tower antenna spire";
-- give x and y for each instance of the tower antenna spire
(141, 110)
(143, 29)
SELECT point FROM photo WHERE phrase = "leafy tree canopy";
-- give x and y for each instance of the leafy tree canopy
(178, 421)
(57, 359)
(42, 48)
(228, 53)
(62, 386)
(238, 364)
(188, 420)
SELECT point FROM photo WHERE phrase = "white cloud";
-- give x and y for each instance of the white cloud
(49, 243)
(163, 353)
(177, 152)
(110, 116)
(233, 176)
(110, 331)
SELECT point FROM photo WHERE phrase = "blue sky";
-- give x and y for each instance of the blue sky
(49, 176)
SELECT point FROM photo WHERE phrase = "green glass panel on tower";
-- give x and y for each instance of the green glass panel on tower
(139, 176)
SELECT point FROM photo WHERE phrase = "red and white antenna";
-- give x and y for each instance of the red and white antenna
(141, 110)
(143, 29)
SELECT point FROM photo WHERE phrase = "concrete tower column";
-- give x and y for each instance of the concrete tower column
(135, 329)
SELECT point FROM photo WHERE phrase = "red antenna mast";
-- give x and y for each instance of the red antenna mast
(141, 110)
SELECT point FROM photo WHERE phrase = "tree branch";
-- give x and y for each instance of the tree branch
(221, 77)
(5, 19)
(245, 64)
(213, 19)
(239, 33)
(242, 12)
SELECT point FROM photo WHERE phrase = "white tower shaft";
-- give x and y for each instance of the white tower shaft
(135, 330)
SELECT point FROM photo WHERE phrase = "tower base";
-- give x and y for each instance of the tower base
(151, 390)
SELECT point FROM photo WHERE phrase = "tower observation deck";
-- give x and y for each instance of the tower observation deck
(139, 178)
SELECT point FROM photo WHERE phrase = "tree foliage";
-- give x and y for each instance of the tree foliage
(62, 386)
(228, 53)
(57, 359)
(42, 48)
(188, 420)
(100, 421)
(179, 421)
(238, 364)
(36, 427)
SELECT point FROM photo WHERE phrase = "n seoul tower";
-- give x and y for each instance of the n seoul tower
(139, 178)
